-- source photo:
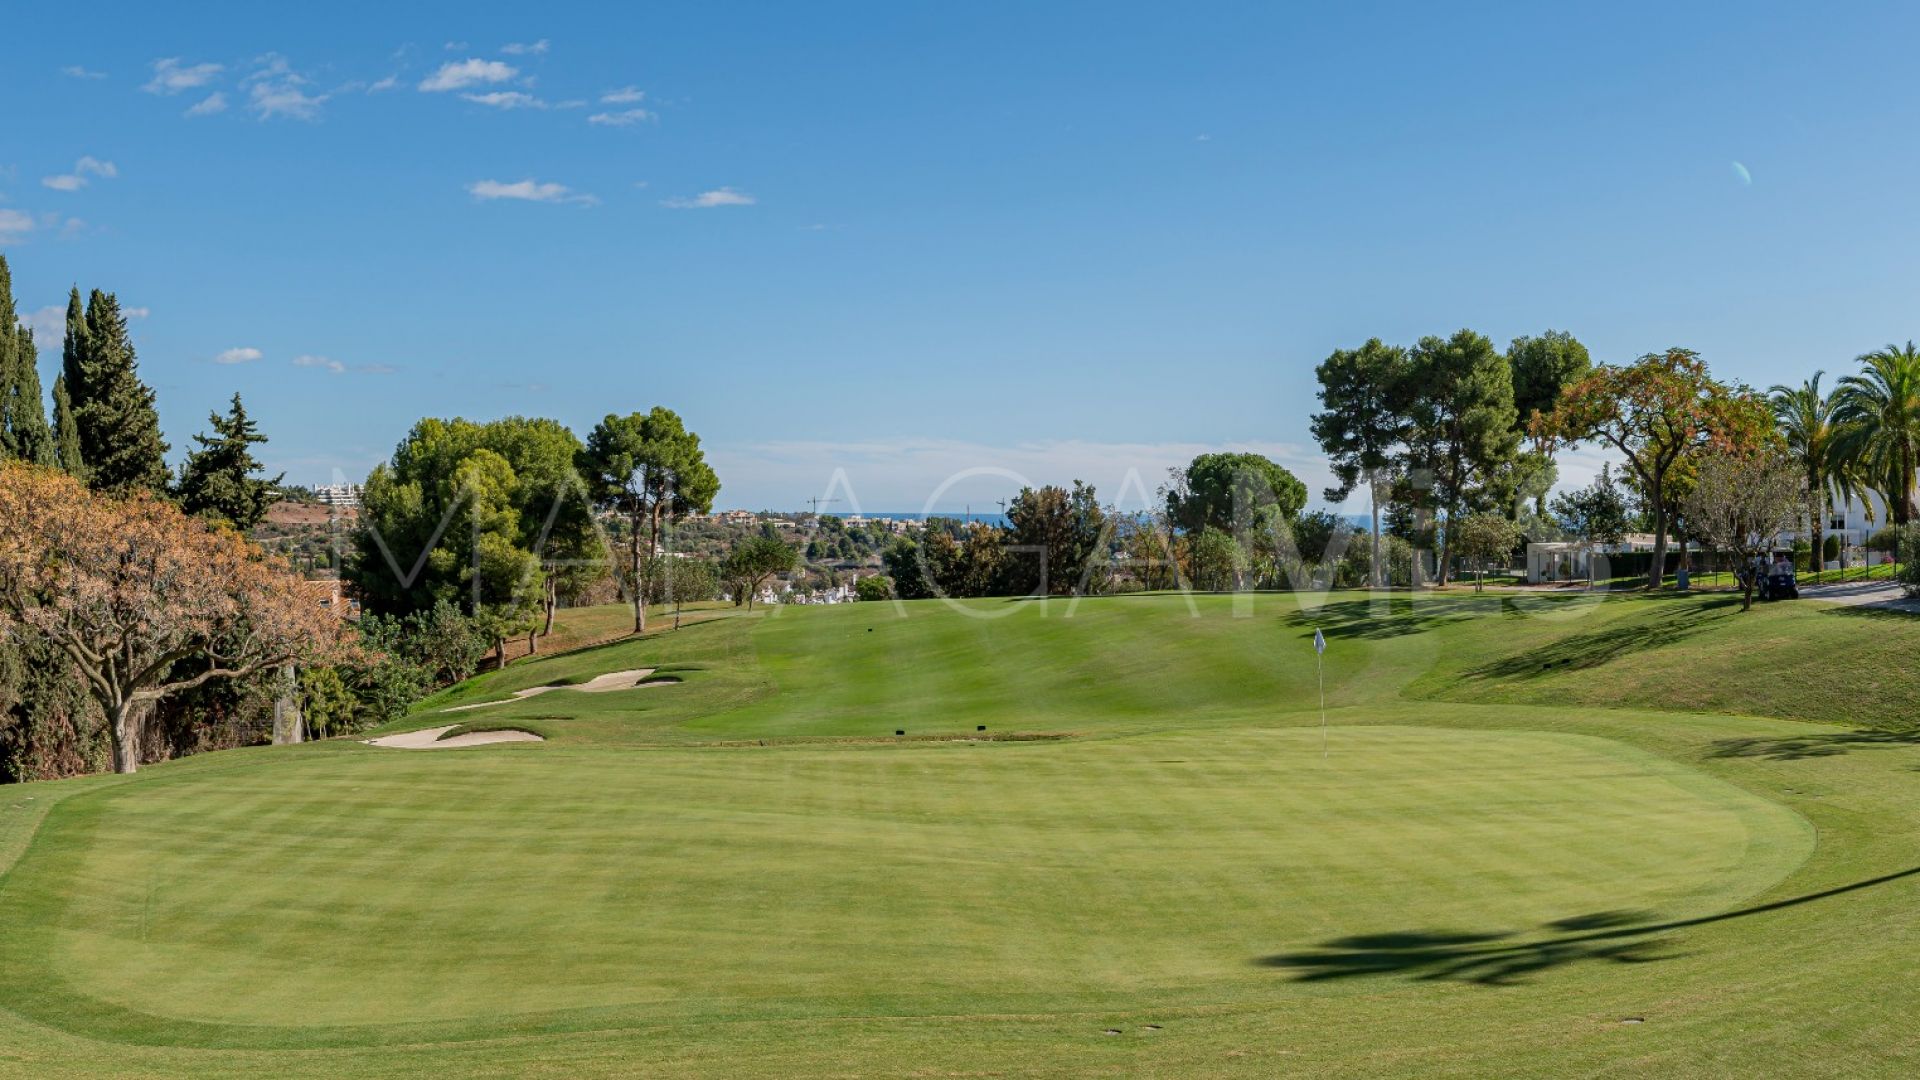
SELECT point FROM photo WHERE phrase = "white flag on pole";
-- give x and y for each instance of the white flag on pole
(1319, 643)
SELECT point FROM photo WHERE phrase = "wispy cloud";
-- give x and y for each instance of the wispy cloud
(170, 76)
(136, 312)
(506, 99)
(332, 367)
(75, 71)
(49, 325)
(242, 355)
(520, 48)
(83, 170)
(706, 200)
(626, 95)
(215, 102)
(335, 367)
(528, 191)
(465, 73)
(388, 83)
(15, 225)
(623, 118)
(275, 90)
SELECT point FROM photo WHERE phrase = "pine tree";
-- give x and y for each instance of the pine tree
(33, 440)
(114, 411)
(66, 432)
(217, 480)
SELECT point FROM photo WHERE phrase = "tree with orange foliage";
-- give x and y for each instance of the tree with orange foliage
(145, 600)
(1660, 412)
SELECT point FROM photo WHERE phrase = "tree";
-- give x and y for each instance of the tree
(113, 410)
(23, 412)
(1483, 537)
(1596, 514)
(66, 432)
(1214, 559)
(1880, 410)
(1462, 432)
(1741, 504)
(1660, 412)
(873, 587)
(1227, 491)
(907, 570)
(145, 601)
(647, 466)
(217, 480)
(1363, 423)
(753, 561)
(1064, 532)
(1813, 437)
(1542, 367)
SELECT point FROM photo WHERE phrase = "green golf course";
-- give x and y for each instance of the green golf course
(1531, 836)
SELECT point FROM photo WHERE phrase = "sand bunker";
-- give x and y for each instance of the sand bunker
(600, 684)
(429, 738)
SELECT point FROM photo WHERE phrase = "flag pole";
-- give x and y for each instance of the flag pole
(1319, 676)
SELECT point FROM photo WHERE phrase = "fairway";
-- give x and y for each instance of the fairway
(744, 873)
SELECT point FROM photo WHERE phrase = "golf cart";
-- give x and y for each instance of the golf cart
(1774, 578)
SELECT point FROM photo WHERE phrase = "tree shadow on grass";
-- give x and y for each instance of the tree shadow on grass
(1395, 616)
(1578, 652)
(1505, 959)
(1801, 747)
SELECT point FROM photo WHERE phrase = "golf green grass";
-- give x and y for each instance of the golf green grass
(1508, 839)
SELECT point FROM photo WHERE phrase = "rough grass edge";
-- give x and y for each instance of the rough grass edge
(480, 726)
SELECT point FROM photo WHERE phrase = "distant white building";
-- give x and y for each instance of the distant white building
(338, 494)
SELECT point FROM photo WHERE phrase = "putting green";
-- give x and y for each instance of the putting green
(326, 898)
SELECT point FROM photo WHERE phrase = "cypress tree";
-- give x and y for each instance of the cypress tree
(73, 351)
(66, 432)
(9, 444)
(119, 427)
(32, 439)
(217, 480)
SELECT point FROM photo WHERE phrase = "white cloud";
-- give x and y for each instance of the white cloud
(527, 191)
(136, 312)
(454, 46)
(84, 168)
(624, 118)
(49, 326)
(75, 71)
(724, 196)
(171, 77)
(518, 48)
(15, 224)
(472, 72)
(506, 99)
(215, 102)
(242, 355)
(332, 367)
(626, 95)
(274, 89)
(385, 84)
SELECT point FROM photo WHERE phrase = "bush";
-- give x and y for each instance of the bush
(1908, 549)
(874, 587)
(1830, 549)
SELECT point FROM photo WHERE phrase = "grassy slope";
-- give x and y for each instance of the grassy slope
(729, 911)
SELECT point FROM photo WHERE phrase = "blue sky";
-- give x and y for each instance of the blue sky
(906, 240)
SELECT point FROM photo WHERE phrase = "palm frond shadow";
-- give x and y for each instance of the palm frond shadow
(1508, 958)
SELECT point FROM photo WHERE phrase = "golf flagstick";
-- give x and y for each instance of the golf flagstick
(1319, 649)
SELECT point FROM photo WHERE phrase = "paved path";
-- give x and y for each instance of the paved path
(1886, 595)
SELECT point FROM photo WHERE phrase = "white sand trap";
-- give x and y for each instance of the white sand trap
(599, 684)
(429, 738)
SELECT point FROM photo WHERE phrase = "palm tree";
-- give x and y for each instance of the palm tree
(1880, 412)
(1806, 419)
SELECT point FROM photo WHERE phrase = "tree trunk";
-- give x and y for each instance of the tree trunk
(1657, 573)
(1378, 572)
(1817, 562)
(1446, 551)
(550, 601)
(533, 642)
(499, 652)
(123, 726)
(640, 587)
